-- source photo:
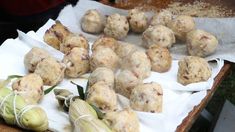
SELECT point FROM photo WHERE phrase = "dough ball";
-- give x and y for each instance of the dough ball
(124, 49)
(107, 42)
(137, 20)
(116, 26)
(201, 43)
(77, 62)
(51, 71)
(192, 70)
(164, 17)
(125, 120)
(104, 57)
(33, 57)
(160, 58)
(102, 96)
(159, 35)
(181, 25)
(51, 39)
(56, 34)
(30, 87)
(147, 97)
(93, 21)
(125, 81)
(102, 74)
(74, 40)
(138, 63)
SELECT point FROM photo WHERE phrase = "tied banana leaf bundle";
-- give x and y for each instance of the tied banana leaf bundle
(64, 98)
(85, 119)
(15, 111)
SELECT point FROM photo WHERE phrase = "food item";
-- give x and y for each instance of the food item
(64, 98)
(181, 25)
(25, 116)
(124, 49)
(74, 40)
(30, 87)
(137, 20)
(56, 34)
(51, 39)
(102, 96)
(122, 121)
(51, 71)
(201, 43)
(159, 35)
(147, 97)
(162, 18)
(79, 107)
(125, 81)
(93, 21)
(104, 57)
(107, 42)
(77, 62)
(138, 63)
(116, 26)
(102, 74)
(160, 58)
(193, 69)
(84, 118)
(33, 57)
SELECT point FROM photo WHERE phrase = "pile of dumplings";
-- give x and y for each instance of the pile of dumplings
(121, 67)
(159, 34)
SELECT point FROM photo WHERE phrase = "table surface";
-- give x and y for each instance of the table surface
(187, 122)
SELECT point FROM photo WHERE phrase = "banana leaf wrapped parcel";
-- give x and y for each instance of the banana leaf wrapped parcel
(15, 111)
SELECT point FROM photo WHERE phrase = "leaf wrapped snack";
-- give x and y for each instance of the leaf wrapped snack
(15, 111)
(85, 119)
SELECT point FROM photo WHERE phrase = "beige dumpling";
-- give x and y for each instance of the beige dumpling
(138, 63)
(181, 25)
(104, 57)
(125, 81)
(147, 97)
(116, 26)
(93, 21)
(162, 18)
(124, 49)
(51, 39)
(192, 70)
(33, 57)
(106, 42)
(30, 87)
(201, 43)
(77, 62)
(125, 120)
(160, 58)
(159, 35)
(74, 40)
(56, 34)
(102, 96)
(51, 71)
(137, 20)
(102, 74)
